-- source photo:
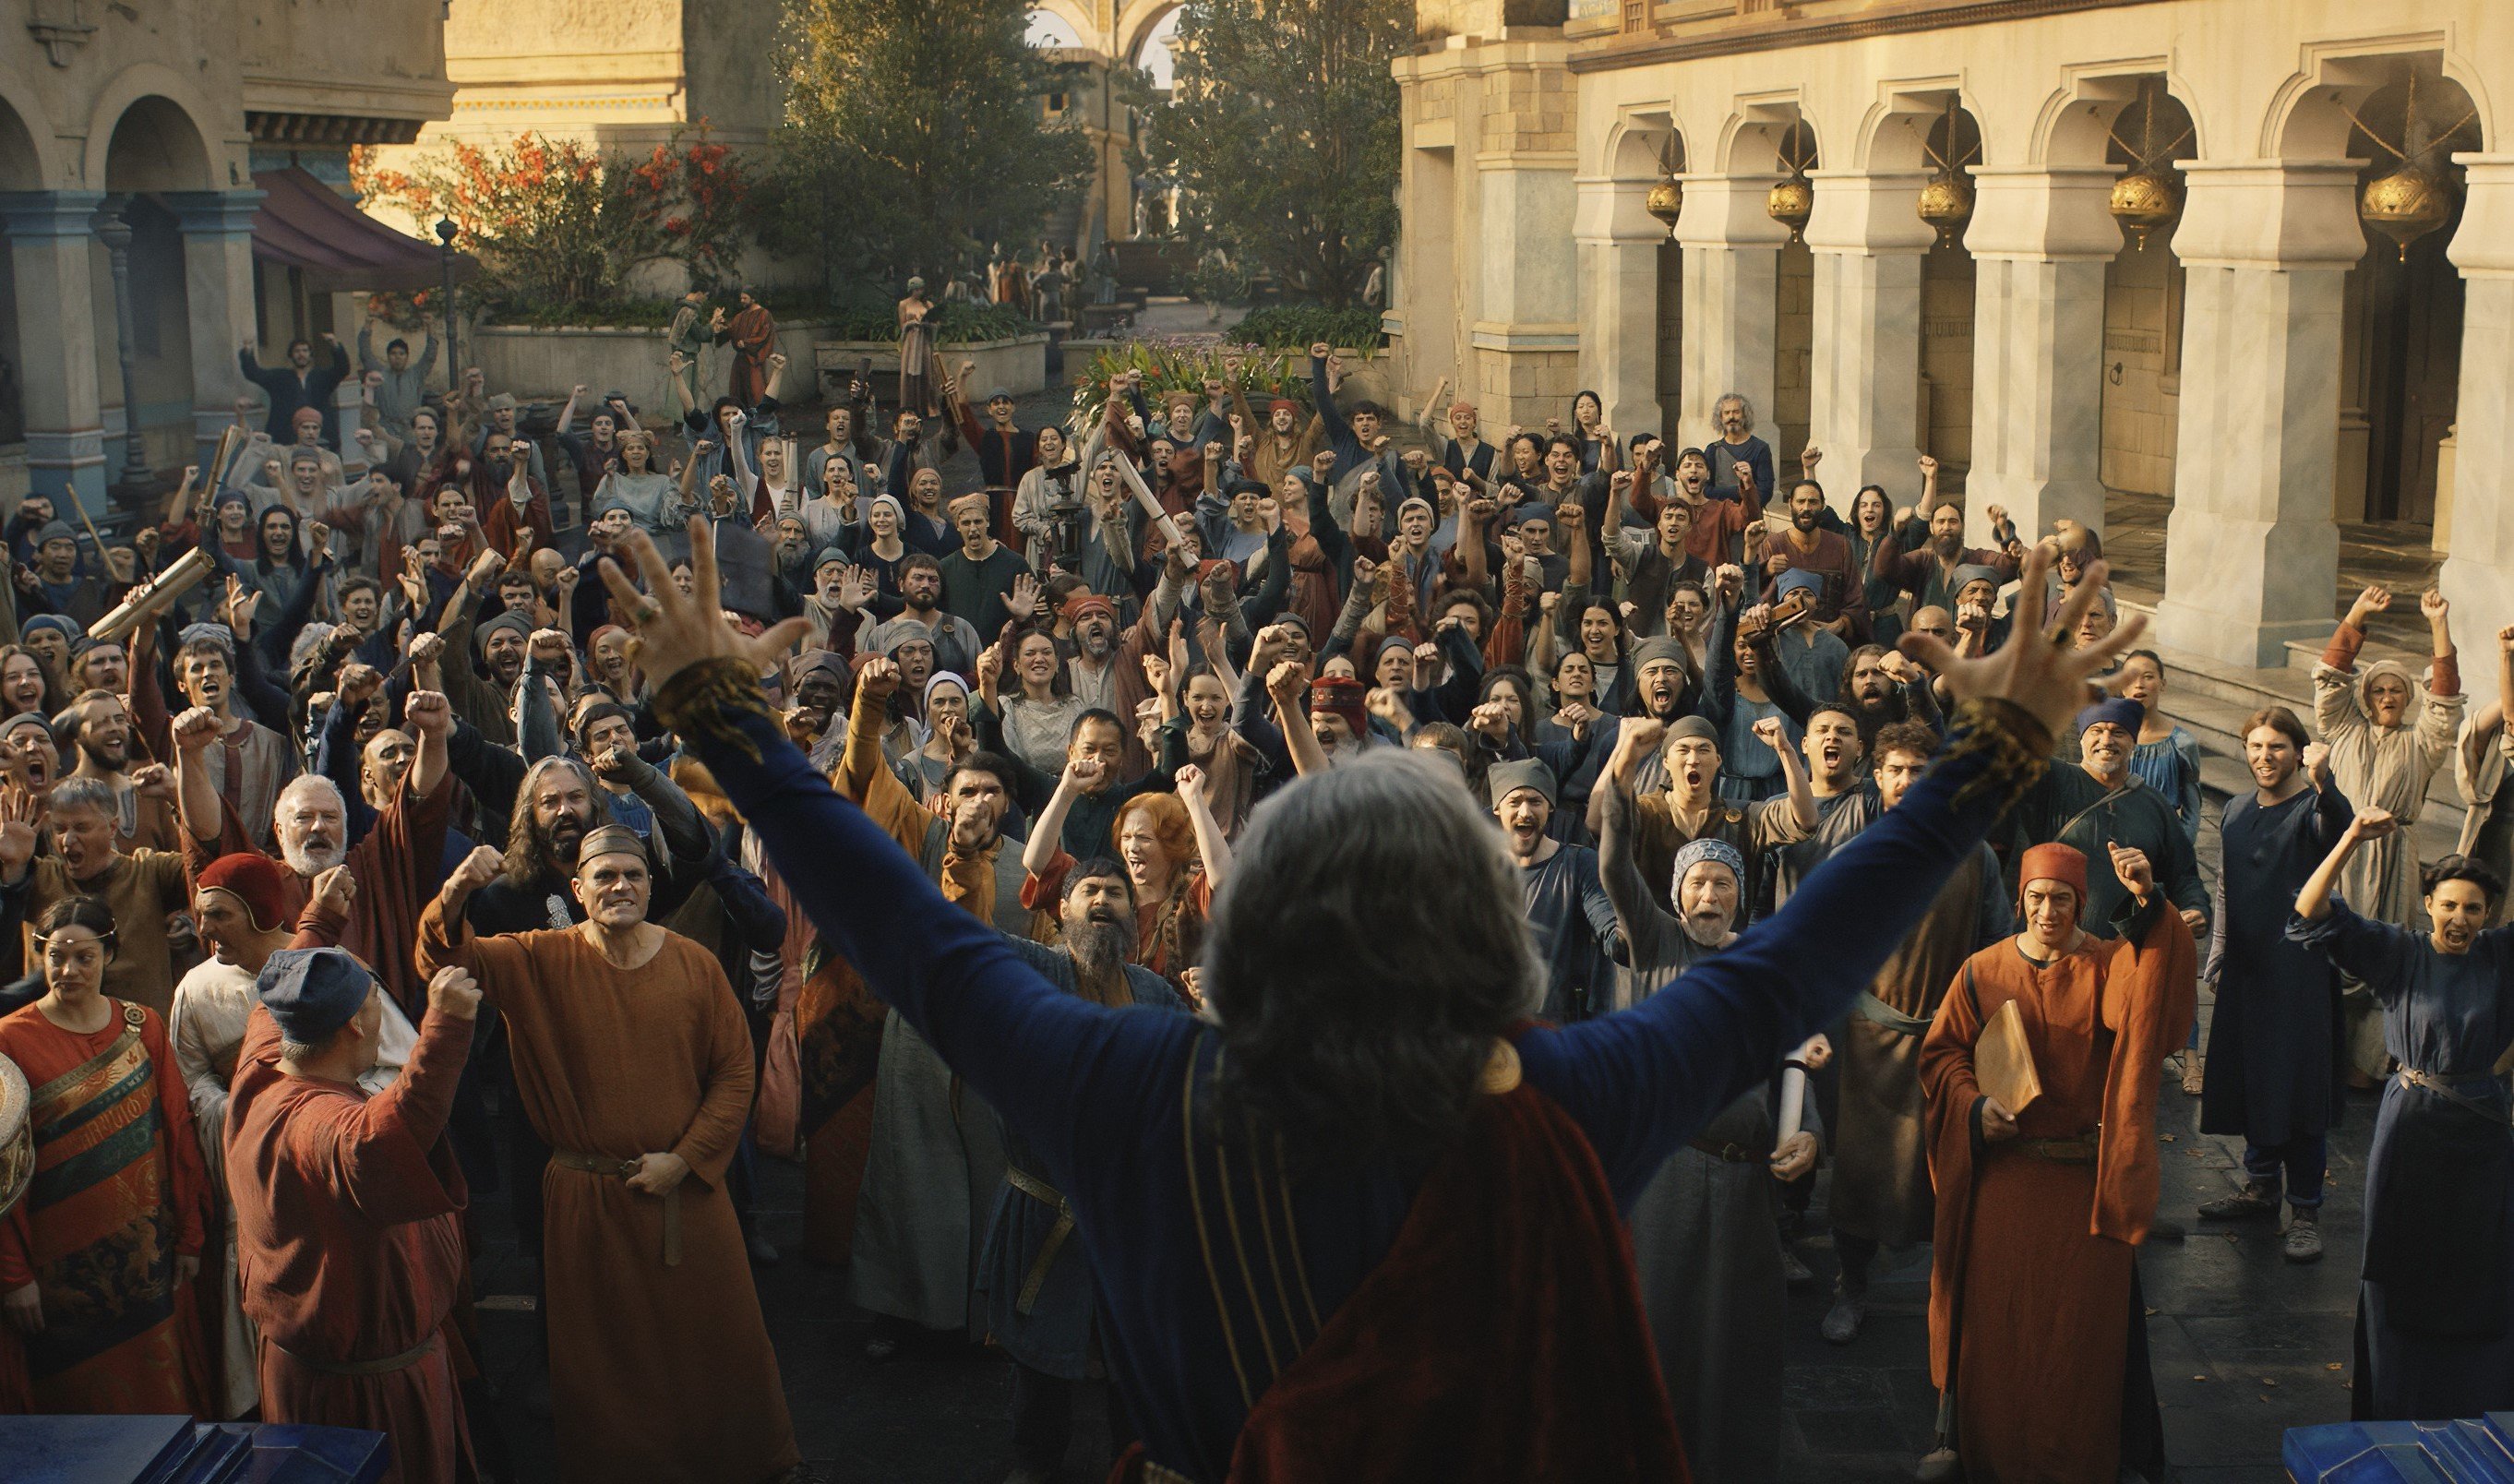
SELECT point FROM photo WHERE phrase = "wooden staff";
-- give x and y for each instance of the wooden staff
(1144, 497)
(154, 596)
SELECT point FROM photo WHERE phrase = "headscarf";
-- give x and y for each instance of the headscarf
(2120, 710)
(2064, 863)
(1339, 697)
(1711, 849)
(1504, 779)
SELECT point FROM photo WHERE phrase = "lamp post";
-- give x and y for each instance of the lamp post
(115, 234)
(445, 230)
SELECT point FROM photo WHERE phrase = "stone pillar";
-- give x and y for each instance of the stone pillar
(1525, 337)
(2252, 555)
(217, 287)
(2039, 240)
(1864, 411)
(48, 233)
(1619, 241)
(1732, 265)
(2479, 559)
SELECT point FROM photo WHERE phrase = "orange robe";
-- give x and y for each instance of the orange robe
(349, 1240)
(119, 1192)
(2032, 1259)
(660, 1371)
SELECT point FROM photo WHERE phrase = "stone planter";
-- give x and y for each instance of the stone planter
(539, 364)
(1017, 365)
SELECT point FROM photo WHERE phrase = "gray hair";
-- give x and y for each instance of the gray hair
(311, 783)
(1738, 397)
(1369, 946)
(85, 794)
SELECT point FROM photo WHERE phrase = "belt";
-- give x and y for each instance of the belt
(622, 1169)
(2079, 1150)
(1731, 1152)
(384, 1367)
(1038, 1189)
(2441, 1087)
(1877, 1012)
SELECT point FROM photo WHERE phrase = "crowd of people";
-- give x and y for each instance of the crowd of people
(1392, 792)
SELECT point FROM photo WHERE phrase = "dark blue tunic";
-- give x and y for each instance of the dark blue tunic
(2432, 1311)
(1103, 1097)
(2274, 1042)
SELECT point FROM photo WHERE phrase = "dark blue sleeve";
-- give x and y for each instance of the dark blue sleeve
(1258, 727)
(1720, 675)
(754, 915)
(1348, 448)
(2377, 954)
(336, 757)
(1643, 1080)
(1043, 1059)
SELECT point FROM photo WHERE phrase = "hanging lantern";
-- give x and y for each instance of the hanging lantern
(1946, 201)
(2143, 201)
(2405, 206)
(1666, 202)
(1791, 202)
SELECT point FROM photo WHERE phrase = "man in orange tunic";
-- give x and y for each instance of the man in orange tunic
(2037, 1340)
(634, 1062)
(350, 1208)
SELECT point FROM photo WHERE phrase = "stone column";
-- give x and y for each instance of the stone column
(48, 233)
(1525, 336)
(1619, 241)
(2039, 240)
(2479, 561)
(1864, 411)
(2252, 555)
(1732, 265)
(218, 286)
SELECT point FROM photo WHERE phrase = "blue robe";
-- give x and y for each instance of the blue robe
(2274, 1070)
(2433, 1332)
(1102, 1097)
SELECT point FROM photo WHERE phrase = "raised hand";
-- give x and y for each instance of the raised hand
(1491, 719)
(335, 890)
(1189, 779)
(676, 630)
(2030, 670)
(19, 812)
(1768, 731)
(2316, 762)
(427, 650)
(429, 714)
(1287, 684)
(879, 679)
(1023, 602)
(1083, 774)
(2372, 824)
(2432, 606)
(2374, 599)
(454, 993)
(2131, 865)
(1157, 670)
(194, 729)
(478, 869)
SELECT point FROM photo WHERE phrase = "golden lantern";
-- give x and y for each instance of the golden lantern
(2405, 206)
(1791, 202)
(1946, 201)
(2145, 201)
(1666, 202)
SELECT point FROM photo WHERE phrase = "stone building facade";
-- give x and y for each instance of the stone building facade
(2257, 349)
(155, 119)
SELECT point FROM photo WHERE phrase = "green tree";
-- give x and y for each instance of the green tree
(913, 137)
(1282, 127)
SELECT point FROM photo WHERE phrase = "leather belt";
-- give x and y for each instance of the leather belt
(1730, 1154)
(1038, 1189)
(2443, 1088)
(384, 1367)
(622, 1169)
(2061, 1152)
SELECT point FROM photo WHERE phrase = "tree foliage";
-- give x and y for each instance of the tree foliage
(913, 137)
(1282, 126)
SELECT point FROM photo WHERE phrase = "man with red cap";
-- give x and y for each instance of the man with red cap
(241, 903)
(2037, 1336)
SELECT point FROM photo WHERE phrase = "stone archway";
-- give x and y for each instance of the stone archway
(154, 148)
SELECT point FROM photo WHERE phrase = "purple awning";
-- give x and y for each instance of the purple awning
(306, 225)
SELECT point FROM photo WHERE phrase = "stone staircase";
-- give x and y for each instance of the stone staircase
(2212, 699)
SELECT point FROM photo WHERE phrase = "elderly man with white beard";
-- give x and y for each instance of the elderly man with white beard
(397, 864)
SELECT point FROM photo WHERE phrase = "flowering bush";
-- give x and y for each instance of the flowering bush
(555, 220)
(1182, 364)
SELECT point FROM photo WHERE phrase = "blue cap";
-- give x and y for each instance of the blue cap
(1797, 576)
(313, 993)
(2120, 710)
(69, 631)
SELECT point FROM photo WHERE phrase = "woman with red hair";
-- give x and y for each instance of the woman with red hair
(1175, 857)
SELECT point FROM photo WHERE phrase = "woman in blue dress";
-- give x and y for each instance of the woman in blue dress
(2435, 1338)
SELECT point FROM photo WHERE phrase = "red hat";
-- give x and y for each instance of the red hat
(1341, 696)
(1083, 601)
(253, 879)
(2064, 863)
(1284, 404)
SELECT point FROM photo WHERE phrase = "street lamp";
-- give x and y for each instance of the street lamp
(445, 230)
(115, 234)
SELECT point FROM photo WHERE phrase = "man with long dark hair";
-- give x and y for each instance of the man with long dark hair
(1365, 1221)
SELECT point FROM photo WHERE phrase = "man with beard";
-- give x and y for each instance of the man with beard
(1881, 1168)
(397, 862)
(1929, 573)
(2100, 806)
(100, 665)
(935, 1159)
(1567, 907)
(1652, 566)
(1710, 1273)
(1318, 723)
(979, 577)
(1814, 657)
(1882, 687)
(956, 640)
(486, 703)
(1038, 1300)
(1741, 463)
(1689, 808)
(99, 727)
(1665, 688)
(1841, 599)
(142, 887)
(632, 1062)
